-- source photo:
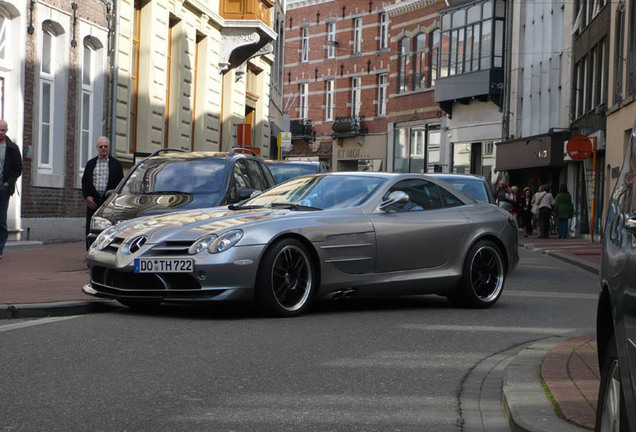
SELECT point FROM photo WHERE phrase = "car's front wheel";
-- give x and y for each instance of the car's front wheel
(483, 276)
(610, 411)
(286, 279)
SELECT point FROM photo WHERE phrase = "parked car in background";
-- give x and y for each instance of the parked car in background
(283, 170)
(174, 180)
(616, 316)
(473, 185)
(330, 235)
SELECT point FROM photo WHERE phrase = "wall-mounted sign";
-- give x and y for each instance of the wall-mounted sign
(579, 147)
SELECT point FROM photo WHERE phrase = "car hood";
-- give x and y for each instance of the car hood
(196, 223)
(124, 207)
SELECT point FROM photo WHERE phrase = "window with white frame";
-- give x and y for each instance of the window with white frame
(305, 44)
(4, 32)
(329, 99)
(357, 35)
(382, 94)
(331, 40)
(88, 91)
(304, 108)
(356, 97)
(47, 99)
(384, 30)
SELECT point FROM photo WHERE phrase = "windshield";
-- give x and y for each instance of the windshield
(323, 192)
(288, 170)
(202, 176)
(473, 187)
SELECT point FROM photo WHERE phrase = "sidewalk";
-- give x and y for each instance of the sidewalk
(46, 280)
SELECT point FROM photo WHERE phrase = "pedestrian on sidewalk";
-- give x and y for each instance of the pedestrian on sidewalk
(10, 171)
(544, 202)
(102, 173)
(525, 211)
(564, 210)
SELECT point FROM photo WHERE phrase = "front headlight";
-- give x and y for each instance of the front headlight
(100, 224)
(104, 239)
(225, 241)
(201, 244)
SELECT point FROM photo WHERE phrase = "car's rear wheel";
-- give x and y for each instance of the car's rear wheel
(483, 276)
(285, 281)
(610, 411)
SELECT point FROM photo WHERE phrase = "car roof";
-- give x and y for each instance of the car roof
(282, 162)
(186, 155)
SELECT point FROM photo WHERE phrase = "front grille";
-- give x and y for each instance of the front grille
(144, 281)
(167, 248)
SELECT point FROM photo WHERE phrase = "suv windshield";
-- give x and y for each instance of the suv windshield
(204, 176)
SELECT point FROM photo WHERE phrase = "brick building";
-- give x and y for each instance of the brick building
(65, 95)
(344, 92)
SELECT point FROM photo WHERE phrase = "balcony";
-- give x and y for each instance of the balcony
(247, 10)
(302, 129)
(245, 32)
(349, 126)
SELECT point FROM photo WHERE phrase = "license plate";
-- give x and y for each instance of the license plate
(164, 265)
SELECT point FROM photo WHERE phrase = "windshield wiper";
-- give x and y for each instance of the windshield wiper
(294, 206)
(244, 207)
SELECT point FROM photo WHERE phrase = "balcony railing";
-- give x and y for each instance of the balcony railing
(349, 126)
(302, 129)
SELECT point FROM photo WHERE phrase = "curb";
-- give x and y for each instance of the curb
(57, 309)
(524, 399)
(571, 259)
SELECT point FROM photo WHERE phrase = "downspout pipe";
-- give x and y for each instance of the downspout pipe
(505, 124)
(114, 78)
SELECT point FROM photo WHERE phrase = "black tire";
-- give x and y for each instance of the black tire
(610, 410)
(483, 277)
(286, 279)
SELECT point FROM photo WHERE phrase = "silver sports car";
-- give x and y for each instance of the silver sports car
(330, 235)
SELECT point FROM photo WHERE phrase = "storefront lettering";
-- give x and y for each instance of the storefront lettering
(352, 153)
(542, 154)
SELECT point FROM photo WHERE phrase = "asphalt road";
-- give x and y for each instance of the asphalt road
(356, 365)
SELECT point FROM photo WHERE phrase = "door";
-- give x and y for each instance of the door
(421, 234)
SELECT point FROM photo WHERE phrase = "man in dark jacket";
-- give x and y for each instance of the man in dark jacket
(10, 171)
(101, 174)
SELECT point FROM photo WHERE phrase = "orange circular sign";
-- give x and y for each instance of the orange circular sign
(579, 147)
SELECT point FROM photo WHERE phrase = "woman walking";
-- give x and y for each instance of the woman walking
(544, 202)
(564, 210)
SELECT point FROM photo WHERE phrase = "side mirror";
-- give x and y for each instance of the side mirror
(245, 193)
(396, 198)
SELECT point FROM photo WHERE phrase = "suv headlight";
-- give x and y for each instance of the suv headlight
(104, 239)
(100, 224)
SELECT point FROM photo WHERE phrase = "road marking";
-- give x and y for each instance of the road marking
(503, 329)
(580, 296)
(35, 322)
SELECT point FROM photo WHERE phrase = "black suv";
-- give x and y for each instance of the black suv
(171, 180)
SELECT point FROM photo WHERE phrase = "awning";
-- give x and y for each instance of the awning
(530, 152)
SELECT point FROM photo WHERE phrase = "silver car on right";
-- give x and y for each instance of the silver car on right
(616, 317)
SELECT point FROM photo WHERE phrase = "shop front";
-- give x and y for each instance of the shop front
(360, 153)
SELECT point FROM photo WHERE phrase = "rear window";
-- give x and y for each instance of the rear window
(203, 176)
(289, 170)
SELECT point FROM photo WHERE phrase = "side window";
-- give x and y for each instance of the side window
(423, 194)
(256, 174)
(449, 199)
(240, 176)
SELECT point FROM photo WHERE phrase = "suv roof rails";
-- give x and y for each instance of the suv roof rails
(166, 150)
(241, 150)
